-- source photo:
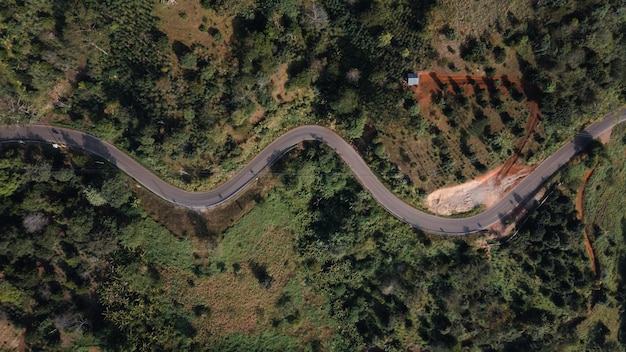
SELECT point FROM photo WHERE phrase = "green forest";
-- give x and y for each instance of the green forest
(305, 259)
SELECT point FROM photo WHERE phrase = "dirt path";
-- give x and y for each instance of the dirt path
(592, 255)
(587, 231)
(581, 193)
(531, 124)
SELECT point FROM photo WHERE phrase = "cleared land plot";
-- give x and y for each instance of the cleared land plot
(253, 282)
(467, 125)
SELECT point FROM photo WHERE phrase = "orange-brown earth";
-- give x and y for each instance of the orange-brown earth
(587, 231)
(11, 338)
(188, 22)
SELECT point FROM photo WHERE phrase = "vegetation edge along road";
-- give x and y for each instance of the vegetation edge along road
(395, 206)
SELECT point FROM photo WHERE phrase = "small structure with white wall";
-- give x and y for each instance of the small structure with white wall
(412, 79)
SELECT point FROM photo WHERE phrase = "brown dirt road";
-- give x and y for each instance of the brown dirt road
(581, 193)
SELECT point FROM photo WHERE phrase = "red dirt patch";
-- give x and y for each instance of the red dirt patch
(592, 255)
(433, 81)
(587, 231)
(581, 192)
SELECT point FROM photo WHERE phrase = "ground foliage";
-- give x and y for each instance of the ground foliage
(343, 274)
(193, 109)
(79, 272)
(391, 287)
(83, 266)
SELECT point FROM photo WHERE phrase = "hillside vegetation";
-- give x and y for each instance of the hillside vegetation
(307, 260)
(194, 89)
(316, 265)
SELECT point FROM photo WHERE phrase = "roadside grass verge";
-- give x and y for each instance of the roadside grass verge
(605, 209)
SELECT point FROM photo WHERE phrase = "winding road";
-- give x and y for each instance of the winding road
(395, 206)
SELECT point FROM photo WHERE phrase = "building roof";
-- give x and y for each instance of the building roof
(412, 79)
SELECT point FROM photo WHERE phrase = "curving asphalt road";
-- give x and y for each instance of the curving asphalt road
(395, 206)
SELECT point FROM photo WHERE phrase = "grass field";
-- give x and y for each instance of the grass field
(252, 283)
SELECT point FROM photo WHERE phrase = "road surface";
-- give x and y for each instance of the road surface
(395, 206)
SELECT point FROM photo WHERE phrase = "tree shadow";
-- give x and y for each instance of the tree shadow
(435, 79)
(93, 145)
(581, 140)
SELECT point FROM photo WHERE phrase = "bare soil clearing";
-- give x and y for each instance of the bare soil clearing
(485, 190)
(11, 339)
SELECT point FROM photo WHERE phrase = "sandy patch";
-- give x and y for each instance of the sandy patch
(11, 339)
(485, 190)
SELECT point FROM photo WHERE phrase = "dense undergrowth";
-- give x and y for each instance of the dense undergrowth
(195, 107)
(316, 265)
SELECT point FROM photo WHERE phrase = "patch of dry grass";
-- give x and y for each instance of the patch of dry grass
(606, 314)
(233, 297)
(238, 302)
(475, 17)
(188, 22)
(280, 93)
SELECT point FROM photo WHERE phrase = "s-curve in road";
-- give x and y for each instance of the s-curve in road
(394, 205)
